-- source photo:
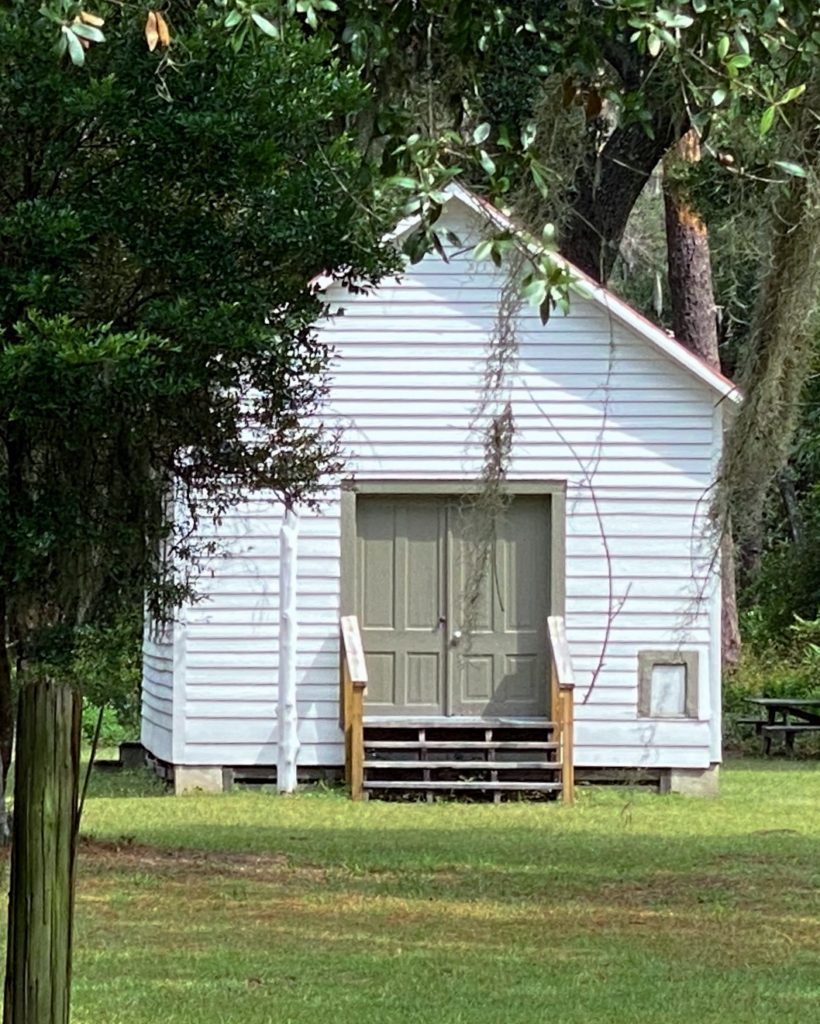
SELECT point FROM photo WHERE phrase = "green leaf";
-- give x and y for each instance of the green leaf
(718, 96)
(402, 182)
(673, 20)
(767, 120)
(528, 133)
(653, 44)
(795, 170)
(487, 162)
(483, 250)
(540, 179)
(482, 133)
(792, 94)
(87, 32)
(740, 60)
(75, 47)
(264, 25)
(699, 6)
(232, 19)
(535, 292)
(723, 47)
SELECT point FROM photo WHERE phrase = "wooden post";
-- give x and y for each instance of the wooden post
(351, 704)
(41, 897)
(555, 702)
(567, 745)
(562, 689)
(356, 742)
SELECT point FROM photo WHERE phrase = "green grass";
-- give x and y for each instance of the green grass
(628, 908)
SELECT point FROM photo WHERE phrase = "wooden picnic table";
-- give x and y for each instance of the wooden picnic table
(786, 716)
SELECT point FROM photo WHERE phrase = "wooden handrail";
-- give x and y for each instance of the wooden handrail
(562, 687)
(353, 686)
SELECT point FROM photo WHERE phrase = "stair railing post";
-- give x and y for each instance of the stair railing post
(567, 745)
(351, 704)
(562, 689)
(356, 779)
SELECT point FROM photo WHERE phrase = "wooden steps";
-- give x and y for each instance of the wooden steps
(486, 758)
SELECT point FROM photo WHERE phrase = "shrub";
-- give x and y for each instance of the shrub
(791, 670)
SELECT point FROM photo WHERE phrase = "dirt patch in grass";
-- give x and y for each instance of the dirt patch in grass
(124, 855)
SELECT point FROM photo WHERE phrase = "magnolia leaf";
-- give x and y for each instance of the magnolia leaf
(264, 25)
(92, 19)
(528, 133)
(151, 31)
(162, 29)
(795, 170)
(766, 121)
(535, 292)
(483, 250)
(75, 47)
(487, 162)
(89, 32)
(439, 247)
(740, 60)
(792, 94)
(401, 182)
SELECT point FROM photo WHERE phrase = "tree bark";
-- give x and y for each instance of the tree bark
(694, 314)
(607, 187)
(41, 897)
(694, 320)
(6, 720)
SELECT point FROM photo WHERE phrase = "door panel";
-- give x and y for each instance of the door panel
(400, 597)
(499, 666)
(415, 563)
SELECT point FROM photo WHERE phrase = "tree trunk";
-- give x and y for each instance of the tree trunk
(607, 187)
(41, 897)
(694, 314)
(6, 719)
(694, 320)
(5, 827)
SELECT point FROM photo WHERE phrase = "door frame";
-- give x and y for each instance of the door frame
(555, 490)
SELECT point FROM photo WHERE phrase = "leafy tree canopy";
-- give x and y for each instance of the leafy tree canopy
(162, 212)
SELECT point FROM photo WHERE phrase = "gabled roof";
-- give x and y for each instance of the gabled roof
(604, 298)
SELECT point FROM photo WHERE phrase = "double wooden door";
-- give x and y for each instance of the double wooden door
(453, 615)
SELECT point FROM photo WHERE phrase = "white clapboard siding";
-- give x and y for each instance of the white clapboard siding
(157, 691)
(634, 435)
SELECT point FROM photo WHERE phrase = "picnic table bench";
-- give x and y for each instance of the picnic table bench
(785, 716)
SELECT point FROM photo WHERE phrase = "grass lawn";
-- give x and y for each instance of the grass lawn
(250, 908)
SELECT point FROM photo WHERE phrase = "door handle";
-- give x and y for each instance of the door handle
(455, 638)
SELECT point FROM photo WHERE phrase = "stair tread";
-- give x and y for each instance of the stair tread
(461, 765)
(546, 787)
(458, 723)
(433, 744)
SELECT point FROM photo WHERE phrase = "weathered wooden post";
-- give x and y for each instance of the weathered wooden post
(41, 897)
